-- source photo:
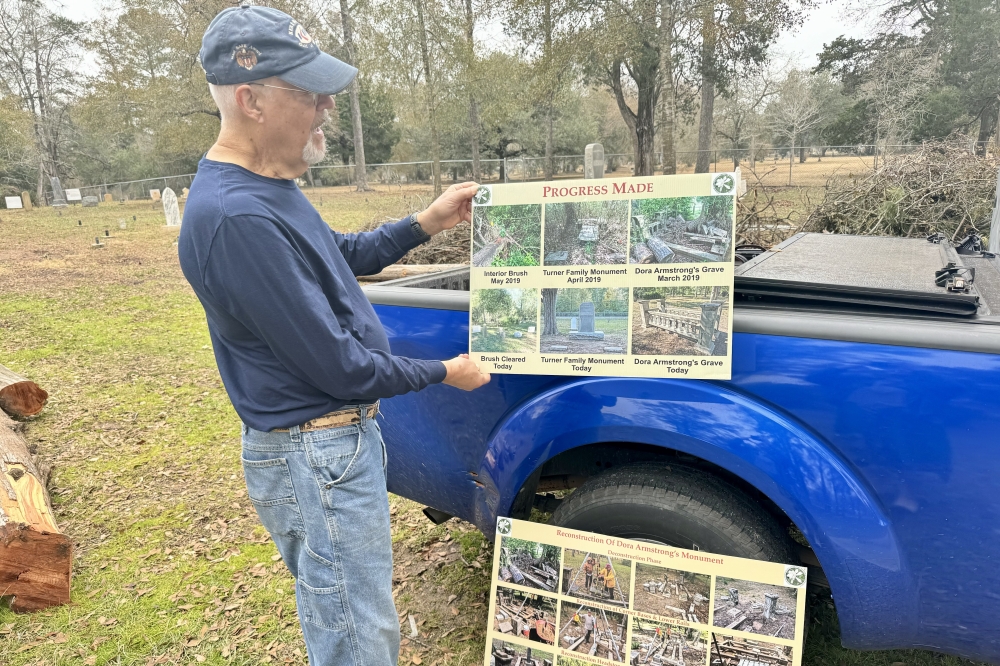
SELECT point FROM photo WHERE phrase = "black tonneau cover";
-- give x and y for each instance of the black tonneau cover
(863, 272)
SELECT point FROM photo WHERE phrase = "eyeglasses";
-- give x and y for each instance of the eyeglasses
(314, 96)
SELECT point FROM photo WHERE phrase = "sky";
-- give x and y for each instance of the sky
(823, 24)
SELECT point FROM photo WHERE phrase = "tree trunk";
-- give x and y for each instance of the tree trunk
(20, 397)
(549, 325)
(470, 28)
(35, 559)
(549, 111)
(669, 103)
(987, 125)
(802, 154)
(641, 120)
(708, 37)
(431, 101)
(360, 168)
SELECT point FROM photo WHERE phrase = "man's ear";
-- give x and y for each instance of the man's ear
(250, 103)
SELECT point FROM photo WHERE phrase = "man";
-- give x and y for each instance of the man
(588, 574)
(300, 350)
(609, 581)
(589, 623)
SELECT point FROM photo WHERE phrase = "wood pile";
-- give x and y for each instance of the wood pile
(504, 656)
(522, 569)
(678, 591)
(35, 558)
(607, 640)
(518, 618)
(672, 650)
(733, 651)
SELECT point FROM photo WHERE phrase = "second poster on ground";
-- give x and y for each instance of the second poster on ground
(618, 277)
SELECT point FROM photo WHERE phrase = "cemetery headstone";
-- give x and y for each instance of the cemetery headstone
(73, 194)
(155, 194)
(710, 313)
(556, 258)
(518, 334)
(58, 196)
(184, 192)
(109, 198)
(574, 324)
(170, 208)
(477, 329)
(121, 224)
(26, 200)
(558, 348)
(13, 202)
(97, 242)
(531, 329)
(587, 323)
(589, 231)
(593, 161)
(90, 202)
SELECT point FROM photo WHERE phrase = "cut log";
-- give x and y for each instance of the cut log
(641, 254)
(661, 250)
(20, 397)
(485, 256)
(35, 559)
(397, 271)
(691, 252)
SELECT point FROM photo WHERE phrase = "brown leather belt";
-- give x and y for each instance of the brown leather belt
(341, 417)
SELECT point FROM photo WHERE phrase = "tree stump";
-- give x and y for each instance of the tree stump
(641, 254)
(35, 558)
(20, 397)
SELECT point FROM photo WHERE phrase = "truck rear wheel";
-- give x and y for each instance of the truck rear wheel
(676, 506)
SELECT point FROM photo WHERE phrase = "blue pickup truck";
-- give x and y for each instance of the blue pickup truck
(859, 434)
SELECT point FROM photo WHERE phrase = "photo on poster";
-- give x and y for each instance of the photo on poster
(592, 631)
(738, 651)
(596, 577)
(681, 230)
(758, 608)
(504, 653)
(584, 321)
(672, 593)
(506, 235)
(585, 233)
(504, 320)
(680, 321)
(529, 563)
(526, 615)
(665, 643)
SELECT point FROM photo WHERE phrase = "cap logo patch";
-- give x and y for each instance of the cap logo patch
(245, 56)
(296, 30)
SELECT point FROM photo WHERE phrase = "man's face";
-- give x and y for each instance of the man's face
(295, 119)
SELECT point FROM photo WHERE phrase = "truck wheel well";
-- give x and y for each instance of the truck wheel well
(571, 468)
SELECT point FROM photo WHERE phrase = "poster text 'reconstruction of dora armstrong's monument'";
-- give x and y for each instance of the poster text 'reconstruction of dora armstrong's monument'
(619, 277)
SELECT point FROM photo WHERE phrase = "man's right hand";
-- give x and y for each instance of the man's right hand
(464, 374)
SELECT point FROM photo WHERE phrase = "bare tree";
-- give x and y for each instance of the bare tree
(429, 95)
(37, 50)
(794, 113)
(739, 113)
(470, 56)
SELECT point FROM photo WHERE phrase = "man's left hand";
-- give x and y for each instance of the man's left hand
(452, 207)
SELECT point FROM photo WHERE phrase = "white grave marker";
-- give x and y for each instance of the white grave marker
(73, 195)
(155, 195)
(14, 202)
(170, 208)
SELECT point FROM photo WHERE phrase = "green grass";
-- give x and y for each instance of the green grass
(609, 325)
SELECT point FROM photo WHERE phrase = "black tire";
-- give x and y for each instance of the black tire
(676, 506)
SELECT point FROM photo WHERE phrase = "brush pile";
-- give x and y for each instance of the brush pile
(942, 187)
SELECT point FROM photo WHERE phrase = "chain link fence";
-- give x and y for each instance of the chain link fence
(529, 168)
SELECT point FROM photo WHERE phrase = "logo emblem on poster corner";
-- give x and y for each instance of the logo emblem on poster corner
(245, 56)
(795, 576)
(724, 183)
(503, 526)
(483, 196)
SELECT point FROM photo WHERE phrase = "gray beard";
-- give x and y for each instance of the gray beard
(313, 155)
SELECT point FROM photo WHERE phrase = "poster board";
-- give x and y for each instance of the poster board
(13, 202)
(73, 195)
(604, 277)
(679, 606)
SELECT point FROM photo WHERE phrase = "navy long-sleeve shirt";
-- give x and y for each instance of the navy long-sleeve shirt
(293, 334)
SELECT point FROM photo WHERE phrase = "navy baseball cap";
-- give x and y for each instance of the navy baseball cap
(244, 44)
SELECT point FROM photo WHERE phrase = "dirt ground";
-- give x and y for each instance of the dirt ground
(693, 589)
(489, 340)
(751, 606)
(605, 620)
(680, 644)
(583, 346)
(653, 341)
(611, 245)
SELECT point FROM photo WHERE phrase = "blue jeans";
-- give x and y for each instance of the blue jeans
(322, 497)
